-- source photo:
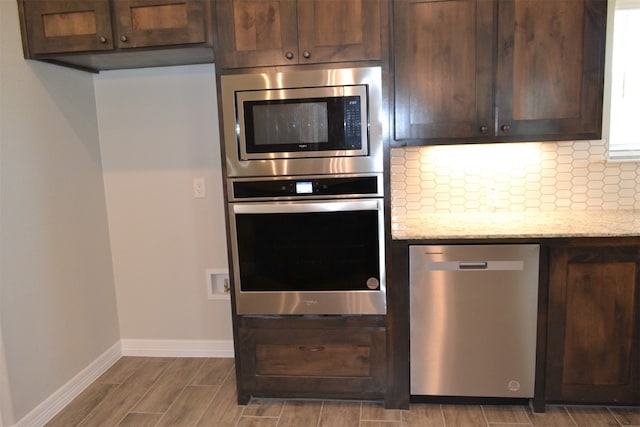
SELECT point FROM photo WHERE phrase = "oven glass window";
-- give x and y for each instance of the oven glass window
(328, 251)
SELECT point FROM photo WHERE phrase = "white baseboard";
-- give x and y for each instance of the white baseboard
(177, 348)
(45, 411)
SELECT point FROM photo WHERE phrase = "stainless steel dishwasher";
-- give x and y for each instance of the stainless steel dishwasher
(473, 320)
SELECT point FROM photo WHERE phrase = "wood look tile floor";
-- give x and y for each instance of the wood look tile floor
(143, 391)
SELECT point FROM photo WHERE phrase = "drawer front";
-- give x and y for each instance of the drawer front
(313, 363)
(313, 359)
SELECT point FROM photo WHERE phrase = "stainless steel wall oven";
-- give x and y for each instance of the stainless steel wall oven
(305, 192)
(295, 252)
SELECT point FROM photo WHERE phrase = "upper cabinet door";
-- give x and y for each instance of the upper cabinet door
(443, 69)
(550, 68)
(338, 30)
(68, 26)
(254, 33)
(143, 23)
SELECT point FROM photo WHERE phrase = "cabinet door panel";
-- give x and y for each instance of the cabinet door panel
(144, 23)
(338, 30)
(443, 63)
(254, 33)
(68, 26)
(599, 323)
(550, 62)
(593, 354)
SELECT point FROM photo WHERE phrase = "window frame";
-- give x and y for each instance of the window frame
(614, 155)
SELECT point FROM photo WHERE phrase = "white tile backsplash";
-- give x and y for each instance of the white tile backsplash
(513, 177)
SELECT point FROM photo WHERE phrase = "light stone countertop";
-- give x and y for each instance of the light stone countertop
(498, 225)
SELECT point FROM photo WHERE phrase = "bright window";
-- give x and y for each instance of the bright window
(624, 116)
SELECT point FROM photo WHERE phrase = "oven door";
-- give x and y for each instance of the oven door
(302, 257)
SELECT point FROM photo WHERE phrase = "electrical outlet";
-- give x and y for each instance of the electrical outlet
(199, 188)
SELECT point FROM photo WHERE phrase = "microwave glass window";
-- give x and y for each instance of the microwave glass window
(309, 124)
(304, 123)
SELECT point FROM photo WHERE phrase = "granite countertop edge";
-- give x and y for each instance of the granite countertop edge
(508, 225)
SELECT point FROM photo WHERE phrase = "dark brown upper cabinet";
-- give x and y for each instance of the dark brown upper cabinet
(510, 70)
(254, 33)
(109, 34)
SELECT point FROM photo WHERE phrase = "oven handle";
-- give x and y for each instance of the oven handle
(308, 207)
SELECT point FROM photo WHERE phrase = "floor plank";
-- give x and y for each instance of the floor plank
(506, 414)
(223, 411)
(81, 406)
(213, 371)
(374, 411)
(300, 413)
(553, 416)
(264, 408)
(173, 380)
(627, 416)
(340, 414)
(463, 416)
(592, 416)
(118, 403)
(134, 419)
(423, 415)
(189, 406)
(257, 422)
(121, 370)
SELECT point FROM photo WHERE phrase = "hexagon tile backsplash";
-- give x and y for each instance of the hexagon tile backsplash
(511, 177)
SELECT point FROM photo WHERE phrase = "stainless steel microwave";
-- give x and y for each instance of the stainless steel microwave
(302, 122)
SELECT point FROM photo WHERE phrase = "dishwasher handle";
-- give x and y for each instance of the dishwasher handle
(479, 266)
(473, 265)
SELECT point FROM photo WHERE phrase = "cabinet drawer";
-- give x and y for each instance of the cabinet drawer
(331, 359)
(314, 363)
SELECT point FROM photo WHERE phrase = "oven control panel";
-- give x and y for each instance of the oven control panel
(304, 187)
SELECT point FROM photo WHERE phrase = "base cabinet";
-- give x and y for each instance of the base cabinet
(593, 347)
(312, 362)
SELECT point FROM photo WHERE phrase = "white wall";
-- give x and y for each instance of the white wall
(57, 299)
(158, 130)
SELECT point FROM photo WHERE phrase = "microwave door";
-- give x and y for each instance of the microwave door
(297, 123)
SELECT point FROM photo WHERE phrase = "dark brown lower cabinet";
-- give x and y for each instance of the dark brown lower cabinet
(312, 362)
(593, 344)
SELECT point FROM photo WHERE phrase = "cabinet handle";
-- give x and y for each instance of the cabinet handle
(484, 129)
(124, 38)
(289, 55)
(505, 128)
(311, 349)
(102, 39)
(306, 54)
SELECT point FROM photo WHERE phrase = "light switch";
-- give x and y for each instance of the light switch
(199, 188)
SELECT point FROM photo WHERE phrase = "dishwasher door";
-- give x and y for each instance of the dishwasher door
(473, 320)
